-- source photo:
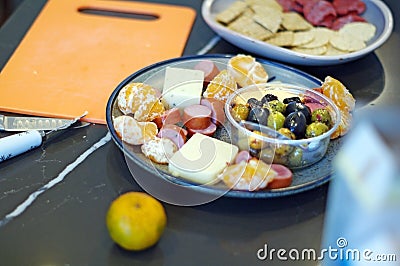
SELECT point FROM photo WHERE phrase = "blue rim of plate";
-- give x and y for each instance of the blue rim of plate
(209, 189)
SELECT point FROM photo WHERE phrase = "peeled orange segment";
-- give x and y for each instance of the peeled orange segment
(140, 99)
(250, 176)
(221, 86)
(150, 109)
(246, 70)
(344, 126)
(343, 99)
(134, 132)
(338, 93)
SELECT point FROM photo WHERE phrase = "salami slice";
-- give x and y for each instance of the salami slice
(321, 13)
(291, 5)
(341, 21)
(344, 7)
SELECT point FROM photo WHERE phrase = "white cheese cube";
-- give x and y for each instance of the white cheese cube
(202, 158)
(182, 87)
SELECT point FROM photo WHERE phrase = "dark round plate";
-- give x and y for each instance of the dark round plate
(303, 179)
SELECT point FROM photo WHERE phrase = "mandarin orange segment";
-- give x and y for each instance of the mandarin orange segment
(141, 100)
(343, 99)
(338, 93)
(150, 108)
(221, 86)
(250, 176)
(246, 70)
(344, 126)
(133, 132)
(149, 130)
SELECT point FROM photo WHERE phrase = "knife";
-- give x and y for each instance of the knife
(36, 127)
(20, 123)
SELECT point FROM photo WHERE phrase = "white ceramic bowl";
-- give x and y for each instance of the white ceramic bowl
(376, 13)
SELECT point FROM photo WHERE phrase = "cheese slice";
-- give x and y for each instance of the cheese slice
(182, 87)
(202, 158)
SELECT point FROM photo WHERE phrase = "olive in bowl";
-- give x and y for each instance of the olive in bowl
(293, 129)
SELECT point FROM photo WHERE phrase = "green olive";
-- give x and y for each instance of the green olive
(315, 129)
(267, 154)
(323, 116)
(277, 106)
(283, 149)
(280, 159)
(240, 112)
(255, 142)
(286, 132)
(295, 158)
(276, 120)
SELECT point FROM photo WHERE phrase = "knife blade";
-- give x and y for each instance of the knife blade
(16, 144)
(20, 123)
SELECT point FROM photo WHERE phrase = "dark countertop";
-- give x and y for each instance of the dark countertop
(65, 225)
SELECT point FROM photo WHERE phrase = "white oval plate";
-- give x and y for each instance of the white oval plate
(376, 13)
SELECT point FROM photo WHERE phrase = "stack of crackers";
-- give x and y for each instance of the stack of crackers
(265, 20)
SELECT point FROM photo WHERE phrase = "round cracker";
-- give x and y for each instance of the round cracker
(321, 37)
(321, 50)
(282, 38)
(302, 37)
(333, 51)
(346, 43)
(360, 30)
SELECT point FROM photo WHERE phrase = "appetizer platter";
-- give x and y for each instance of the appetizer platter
(234, 123)
(303, 32)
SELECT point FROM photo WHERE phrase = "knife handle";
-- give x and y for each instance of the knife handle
(17, 144)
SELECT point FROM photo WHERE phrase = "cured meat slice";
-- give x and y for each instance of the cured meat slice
(291, 5)
(175, 133)
(197, 116)
(283, 178)
(343, 7)
(320, 13)
(217, 110)
(171, 116)
(210, 70)
(209, 131)
(341, 21)
(242, 156)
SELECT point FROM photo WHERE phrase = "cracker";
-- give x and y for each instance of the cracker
(361, 30)
(247, 26)
(248, 12)
(321, 50)
(302, 37)
(321, 37)
(294, 22)
(333, 51)
(282, 38)
(232, 12)
(346, 42)
(269, 18)
(266, 3)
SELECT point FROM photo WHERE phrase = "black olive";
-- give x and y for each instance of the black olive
(258, 115)
(254, 152)
(292, 99)
(290, 108)
(253, 102)
(299, 107)
(296, 122)
(268, 97)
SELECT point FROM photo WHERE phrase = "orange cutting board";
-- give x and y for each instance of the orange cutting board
(70, 61)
